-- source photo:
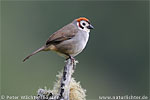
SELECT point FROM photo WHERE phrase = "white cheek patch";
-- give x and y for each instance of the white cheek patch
(86, 29)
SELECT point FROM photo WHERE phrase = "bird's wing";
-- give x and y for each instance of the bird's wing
(65, 33)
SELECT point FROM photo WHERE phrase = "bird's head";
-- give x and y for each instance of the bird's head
(83, 24)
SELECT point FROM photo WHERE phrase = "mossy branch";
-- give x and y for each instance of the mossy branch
(66, 88)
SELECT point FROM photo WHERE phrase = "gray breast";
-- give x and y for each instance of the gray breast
(79, 42)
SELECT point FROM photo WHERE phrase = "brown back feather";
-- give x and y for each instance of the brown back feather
(65, 33)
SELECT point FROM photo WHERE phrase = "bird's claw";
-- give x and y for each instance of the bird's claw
(73, 61)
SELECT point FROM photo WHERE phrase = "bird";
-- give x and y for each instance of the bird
(68, 41)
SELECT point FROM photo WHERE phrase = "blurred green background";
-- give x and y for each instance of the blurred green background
(115, 61)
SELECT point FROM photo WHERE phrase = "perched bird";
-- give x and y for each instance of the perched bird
(68, 41)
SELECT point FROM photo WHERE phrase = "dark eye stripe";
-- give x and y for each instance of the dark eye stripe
(81, 26)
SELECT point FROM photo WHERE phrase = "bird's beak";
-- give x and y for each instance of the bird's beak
(90, 27)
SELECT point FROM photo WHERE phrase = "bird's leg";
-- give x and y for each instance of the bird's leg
(73, 61)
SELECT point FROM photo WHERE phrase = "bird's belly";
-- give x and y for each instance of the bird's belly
(78, 47)
(73, 46)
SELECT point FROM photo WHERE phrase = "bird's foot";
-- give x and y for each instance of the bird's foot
(73, 61)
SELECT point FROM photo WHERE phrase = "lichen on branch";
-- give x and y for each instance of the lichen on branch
(65, 88)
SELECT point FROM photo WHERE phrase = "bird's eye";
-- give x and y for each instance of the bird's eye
(83, 24)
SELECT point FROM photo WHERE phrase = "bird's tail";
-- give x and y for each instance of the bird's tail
(40, 49)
